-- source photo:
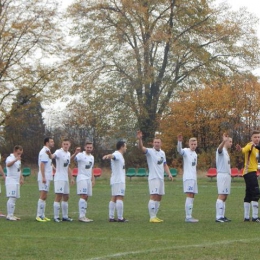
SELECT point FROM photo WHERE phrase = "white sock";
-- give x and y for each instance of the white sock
(11, 206)
(157, 206)
(119, 209)
(65, 209)
(219, 209)
(224, 209)
(112, 206)
(254, 209)
(40, 208)
(151, 208)
(188, 207)
(56, 209)
(82, 208)
(246, 210)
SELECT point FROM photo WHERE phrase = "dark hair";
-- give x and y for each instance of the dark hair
(18, 147)
(120, 144)
(88, 142)
(65, 140)
(255, 132)
(47, 139)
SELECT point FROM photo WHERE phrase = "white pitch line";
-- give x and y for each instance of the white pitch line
(172, 247)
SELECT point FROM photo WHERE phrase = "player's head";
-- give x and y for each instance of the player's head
(157, 143)
(193, 143)
(255, 137)
(65, 144)
(88, 147)
(49, 142)
(121, 146)
(228, 143)
(18, 150)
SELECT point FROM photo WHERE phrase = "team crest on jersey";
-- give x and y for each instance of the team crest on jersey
(66, 163)
(160, 161)
(88, 166)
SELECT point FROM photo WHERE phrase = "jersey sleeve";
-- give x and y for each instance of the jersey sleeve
(247, 148)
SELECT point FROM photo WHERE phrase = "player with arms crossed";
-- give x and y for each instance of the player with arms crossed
(117, 182)
(85, 179)
(190, 185)
(44, 178)
(157, 165)
(223, 177)
(13, 180)
(61, 181)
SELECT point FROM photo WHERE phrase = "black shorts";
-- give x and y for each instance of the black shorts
(252, 187)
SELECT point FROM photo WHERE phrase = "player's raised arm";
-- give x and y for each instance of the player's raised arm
(224, 140)
(179, 144)
(140, 141)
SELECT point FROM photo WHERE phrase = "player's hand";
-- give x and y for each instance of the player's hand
(44, 180)
(21, 180)
(77, 150)
(72, 181)
(170, 177)
(180, 138)
(105, 157)
(139, 134)
(238, 147)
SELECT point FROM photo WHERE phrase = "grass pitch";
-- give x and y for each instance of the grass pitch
(137, 239)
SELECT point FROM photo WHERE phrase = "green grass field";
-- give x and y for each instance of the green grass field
(137, 239)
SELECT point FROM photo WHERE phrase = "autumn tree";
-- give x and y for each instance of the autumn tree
(208, 112)
(141, 53)
(30, 40)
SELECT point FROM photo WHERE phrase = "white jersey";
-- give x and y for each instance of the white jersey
(44, 158)
(118, 168)
(189, 163)
(223, 161)
(62, 165)
(85, 165)
(14, 171)
(155, 160)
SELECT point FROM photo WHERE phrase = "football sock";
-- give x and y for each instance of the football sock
(151, 208)
(56, 209)
(82, 208)
(40, 208)
(246, 210)
(219, 209)
(254, 209)
(157, 206)
(224, 209)
(111, 207)
(188, 207)
(11, 206)
(119, 209)
(65, 209)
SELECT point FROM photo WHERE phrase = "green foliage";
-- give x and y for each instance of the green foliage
(25, 126)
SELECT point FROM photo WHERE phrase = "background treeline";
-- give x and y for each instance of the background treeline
(101, 70)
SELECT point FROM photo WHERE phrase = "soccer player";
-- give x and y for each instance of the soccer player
(3, 174)
(223, 177)
(251, 152)
(61, 181)
(117, 182)
(157, 165)
(190, 185)
(44, 178)
(85, 179)
(13, 180)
